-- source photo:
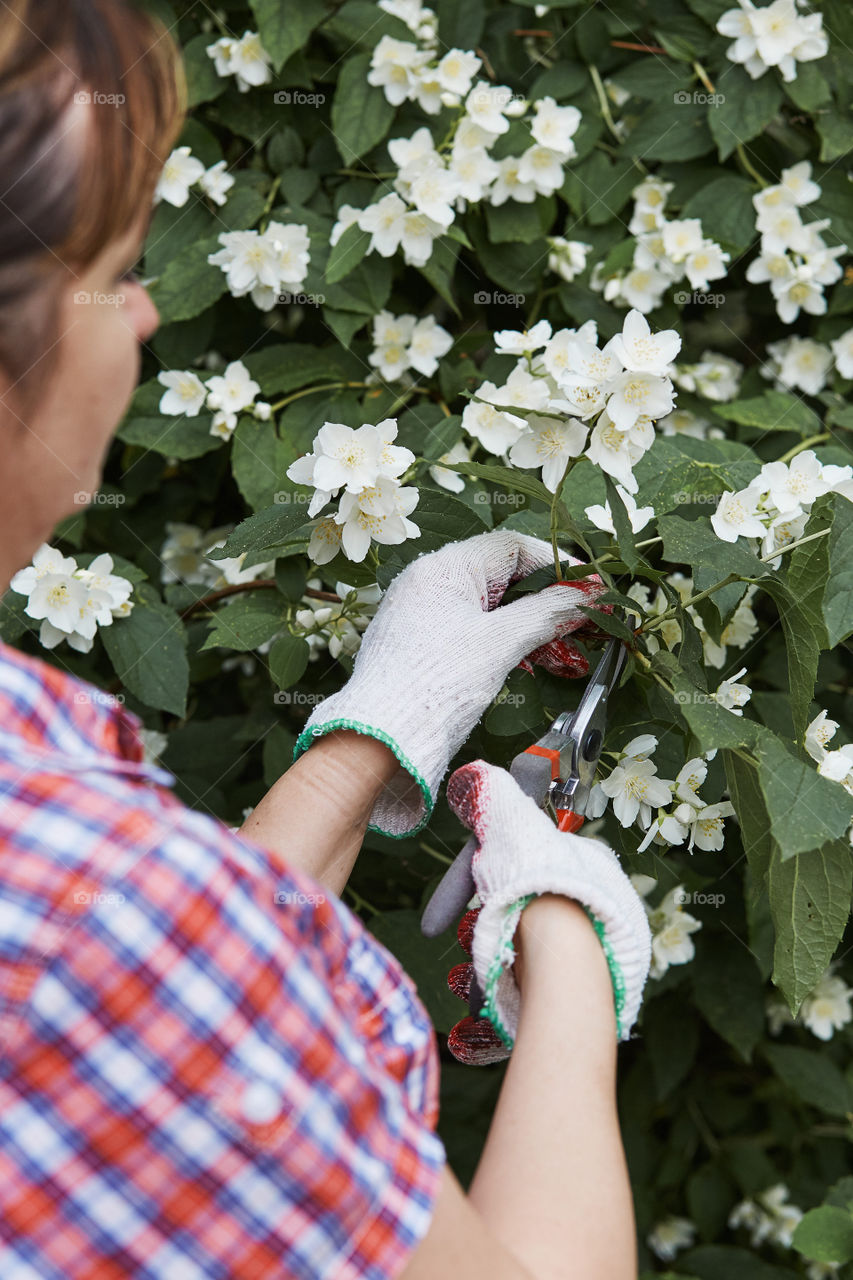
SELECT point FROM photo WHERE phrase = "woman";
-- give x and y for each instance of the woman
(209, 1067)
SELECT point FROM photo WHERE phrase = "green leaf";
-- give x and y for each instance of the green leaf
(671, 1037)
(267, 528)
(810, 904)
(726, 1262)
(438, 270)
(347, 253)
(288, 658)
(809, 89)
(665, 132)
(517, 708)
(694, 542)
(259, 460)
(812, 1076)
(772, 411)
(524, 222)
(361, 114)
(203, 82)
(838, 599)
(749, 805)
(609, 622)
(285, 27)
(189, 284)
(747, 108)
(684, 471)
(148, 651)
(285, 366)
(247, 621)
(836, 133)
(825, 1234)
(507, 477)
(726, 210)
(805, 809)
(174, 437)
(622, 525)
(728, 990)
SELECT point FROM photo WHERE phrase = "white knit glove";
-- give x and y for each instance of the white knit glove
(438, 652)
(520, 854)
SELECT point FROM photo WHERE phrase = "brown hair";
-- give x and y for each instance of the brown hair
(66, 193)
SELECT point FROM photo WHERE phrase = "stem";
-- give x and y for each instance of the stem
(804, 444)
(704, 77)
(671, 613)
(555, 502)
(309, 391)
(204, 602)
(270, 201)
(647, 542)
(748, 165)
(783, 551)
(361, 904)
(365, 173)
(442, 857)
(601, 94)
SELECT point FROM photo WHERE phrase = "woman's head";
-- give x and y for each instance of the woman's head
(90, 107)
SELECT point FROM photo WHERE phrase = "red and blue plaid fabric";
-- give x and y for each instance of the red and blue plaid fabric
(209, 1069)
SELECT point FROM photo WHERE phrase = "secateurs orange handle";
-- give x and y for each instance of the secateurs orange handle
(559, 768)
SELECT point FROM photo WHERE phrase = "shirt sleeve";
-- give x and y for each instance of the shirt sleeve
(220, 1081)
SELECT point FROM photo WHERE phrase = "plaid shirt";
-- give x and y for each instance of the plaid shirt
(208, 1067)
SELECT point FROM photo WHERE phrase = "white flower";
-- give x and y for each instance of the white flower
(379, 512)
(769, 1219)
(842, 349)
(325, 541)
(567, 257)
(451, 480)
(71, 602)
(638, 395)
(473, 170)
(773, 36)
(542, 168)
(797, 183)
(705, 824)
(495, 430)
(671, 929)
(737, 515)
(428, 342)
(223, 424)
(181, 171)
(731, 695)
(345, 457)
(264, 264)
(715, 377)
(554, 127)
(705, 264)
(602, 517)
(640, 350)
(521, 342)
(487, 105)
(681, 237)
(837, 766)
(347, 215)
(249, 62)
(508, 184)
(802, 363)
(794, 485)
(417, 235)
(818, 734)
(216, 183)
(668, 1236)
(549, 443)
(826, 1009)
(682, 422)
(232, 391)
(634, 788)
(393, 67)
(186, 392)
(613, 451)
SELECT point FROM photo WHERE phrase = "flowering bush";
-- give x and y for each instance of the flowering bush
(577, 270)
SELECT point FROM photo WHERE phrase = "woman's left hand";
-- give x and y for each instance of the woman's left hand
(437, 653)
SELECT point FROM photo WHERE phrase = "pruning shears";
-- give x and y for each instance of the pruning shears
(558, 770)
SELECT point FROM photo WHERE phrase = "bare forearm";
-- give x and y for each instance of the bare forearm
(552, 1182)
(316, 815)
